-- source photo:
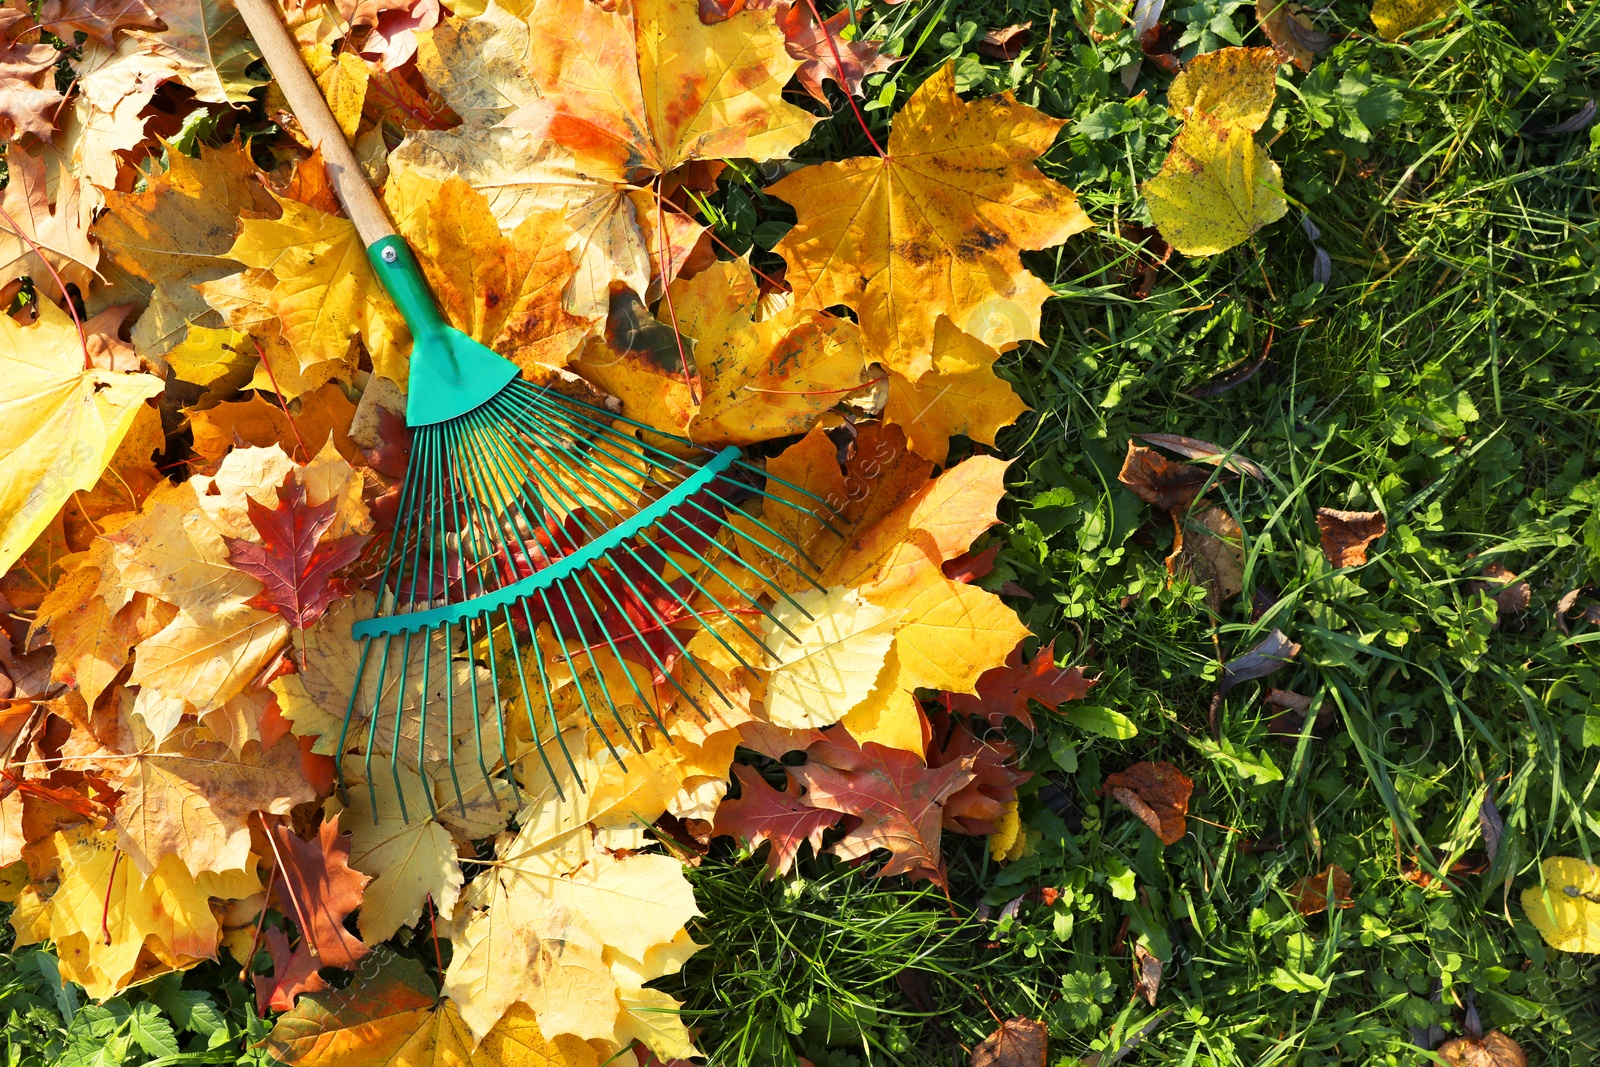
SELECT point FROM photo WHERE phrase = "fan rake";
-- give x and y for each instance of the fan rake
(535, 531)
(538, 528)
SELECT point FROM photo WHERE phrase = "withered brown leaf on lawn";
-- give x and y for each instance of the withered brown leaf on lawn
(1159, 481)
(1346, 534)
(1158, 793)
(1311, 894)
(1017, 1042)
(1493, 1049)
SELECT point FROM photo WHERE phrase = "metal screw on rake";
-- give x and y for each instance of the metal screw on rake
(523, 508)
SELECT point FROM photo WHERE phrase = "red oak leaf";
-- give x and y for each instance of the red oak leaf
(293, 972)
(321, 890)
(779, 817)
(1007, 690)
(295, 570)
(974, 807)
(899, 801)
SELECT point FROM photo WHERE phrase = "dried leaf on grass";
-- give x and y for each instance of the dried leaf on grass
(1205, 452)
(1311, 894)
(1501, 585)
(1158, 793)
(1493, 1049)
(1346, 534)
(1208, 549)
(1159, 481)
(1271, 654)
(1146, 973)
(1008, 691)
(1017, 1042)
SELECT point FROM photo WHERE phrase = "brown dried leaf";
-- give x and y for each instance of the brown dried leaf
(1158, 793)
(1311, 894)
(1157, 480)
(1346, 534)
(1207, 549)
(1509, 594)
(1146, 973)
(1204, 451)
(1017, 1042)
(1494, 1049)
(1006, 43)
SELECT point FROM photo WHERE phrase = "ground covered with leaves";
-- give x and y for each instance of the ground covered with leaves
(1204, 670)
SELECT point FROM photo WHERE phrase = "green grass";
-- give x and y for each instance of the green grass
(1446, 374)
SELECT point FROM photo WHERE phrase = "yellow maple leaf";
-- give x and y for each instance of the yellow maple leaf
(87, 890)
(40, 237)
(315, 698)
(344, 85)
(766, 379)
(174, 234)
(503, 290)
(934, 227)
(192, 798)
(646, 86)
(1396, 18)
(898, 527)
(325, 290)
(960, 395)
(60, 424)
(518, 949)
(827, 650)
(252, 343)
(1566, 907)
(1216, 188)
(1234, 85)
(391, 1014)
(410, 856)
(91, 637)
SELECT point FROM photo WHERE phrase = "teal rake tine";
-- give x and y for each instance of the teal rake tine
(497, 458)
(344, 728)
(757, 604)
(645, 644)
(394, 747)
(372, 725)
(544, 680)
(472, 671)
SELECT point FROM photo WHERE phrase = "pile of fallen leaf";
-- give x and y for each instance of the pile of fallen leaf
(203, 384)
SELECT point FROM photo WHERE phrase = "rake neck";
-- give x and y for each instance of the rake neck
(451, 374)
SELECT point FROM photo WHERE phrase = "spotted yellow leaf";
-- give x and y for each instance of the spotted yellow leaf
(1216, 188)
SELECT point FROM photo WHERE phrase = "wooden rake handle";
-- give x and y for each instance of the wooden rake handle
(311, 110)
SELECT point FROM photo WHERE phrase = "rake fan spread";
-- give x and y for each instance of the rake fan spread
(553, 542)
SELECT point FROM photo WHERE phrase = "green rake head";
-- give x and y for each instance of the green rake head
(535, 529)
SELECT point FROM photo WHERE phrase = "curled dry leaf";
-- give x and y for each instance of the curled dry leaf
(1346, 534)
(1290, 720)
(1311, 895)
(1146, 973)
(1005, 43)
(1205, 452)
(1158, 793)
(1289, 29)
(1158, 481)
(1017, 1042)
(1493, 1049)
(1271, 654)
(1501, 585)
